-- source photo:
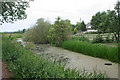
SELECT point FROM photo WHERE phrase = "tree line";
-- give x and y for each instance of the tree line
(108, 21)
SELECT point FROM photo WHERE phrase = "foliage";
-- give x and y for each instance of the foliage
(73, 26)
(100, 21)
(91, 33)
(83, 26)
(60, 31)
(108, 21)
(38, 33)
(80, 38)
(30, 45)
(13, 36)
(24, 64)
(108, 38)
(51, 35)
(98, 39)
(95, 50)
(12, 11)
(112, 38)
(83, 39)
(20, 31)
(75, 31)
(78, 25)
(114, 21)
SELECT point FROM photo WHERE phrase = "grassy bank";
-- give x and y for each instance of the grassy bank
(95, 50)
(24, 64)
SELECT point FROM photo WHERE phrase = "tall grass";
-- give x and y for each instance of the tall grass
(24, 64)
(95, 50)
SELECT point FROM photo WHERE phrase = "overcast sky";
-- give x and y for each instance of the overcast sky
(66, 9)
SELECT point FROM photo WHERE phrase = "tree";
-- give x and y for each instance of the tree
(60, 31)
(108, 21)
(99, 21)
(73, 26)
(83, 26)
(114, 21)
(13, 11)
(38, 33)
(117, 11)
(24, 30)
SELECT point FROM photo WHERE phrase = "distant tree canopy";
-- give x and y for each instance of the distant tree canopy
(99, 21)
(13, 11)
(81, 26)
(73, 26)
(20, 31)
(108, 21)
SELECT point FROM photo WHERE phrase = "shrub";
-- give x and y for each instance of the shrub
(24, 64)
(95, 50)
(82, 38)
(75, 30)
(38, 33)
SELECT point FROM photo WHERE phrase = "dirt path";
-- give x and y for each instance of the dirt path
(4, 73)
(79, 61)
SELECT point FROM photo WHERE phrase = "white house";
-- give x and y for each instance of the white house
(89, 29)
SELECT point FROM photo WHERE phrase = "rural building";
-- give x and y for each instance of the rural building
(89, 29)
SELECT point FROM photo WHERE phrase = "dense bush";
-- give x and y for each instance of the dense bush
(96, 50)
(38, 33)
(24, 64)
(60, 31)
